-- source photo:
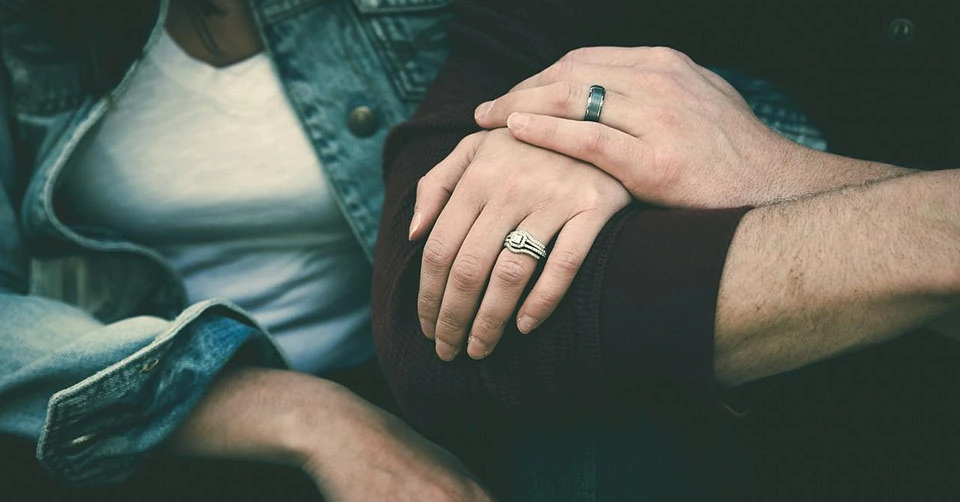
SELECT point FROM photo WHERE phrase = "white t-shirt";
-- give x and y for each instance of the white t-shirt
(211, 168)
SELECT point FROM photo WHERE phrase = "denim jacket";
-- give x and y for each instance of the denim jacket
(100, 355)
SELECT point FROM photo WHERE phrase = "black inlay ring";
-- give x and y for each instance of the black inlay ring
(594, 103)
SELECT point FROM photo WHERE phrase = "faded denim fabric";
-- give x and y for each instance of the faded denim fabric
(100, 357)
(776, 109)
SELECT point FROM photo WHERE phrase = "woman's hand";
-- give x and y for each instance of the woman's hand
(672, 132)
(490, 185)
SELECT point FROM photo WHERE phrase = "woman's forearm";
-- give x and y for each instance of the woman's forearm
(813, 278)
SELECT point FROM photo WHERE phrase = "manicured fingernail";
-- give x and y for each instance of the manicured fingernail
(526, 324)
(428, 328)
(482, 110)
(477, 348)
(414, 225)
(517, 121)
(446, 351)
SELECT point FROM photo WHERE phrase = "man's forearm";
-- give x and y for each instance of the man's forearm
(813, 278)
(804, 172)
(259, 415)
(351, 449)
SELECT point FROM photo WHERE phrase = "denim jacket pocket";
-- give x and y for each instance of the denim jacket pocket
(410, 37)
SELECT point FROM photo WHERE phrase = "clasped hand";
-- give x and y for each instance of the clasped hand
(671, 133)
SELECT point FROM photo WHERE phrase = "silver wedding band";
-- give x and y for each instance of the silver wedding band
(521, 242)
(594, 103)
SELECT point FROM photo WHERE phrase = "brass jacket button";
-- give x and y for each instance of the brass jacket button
(363, 121)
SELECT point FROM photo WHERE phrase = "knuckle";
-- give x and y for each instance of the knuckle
(589, 199)
(470, 140)
(505, 199)
(668, 117)
(425, 184)
(553, 191)
(436, 255)
(427, 304)
(486, 326)
(519, 186)
(665, 56)
(540, 305)
(560, 70)
(476, 174)
(450, 329)
(582, 53)
(569, 96)
(558, 95)
(640, 79)
(511, 273)
(661, 81)
(467, 272)
(502, 106)
(467, 145)
(566, 263)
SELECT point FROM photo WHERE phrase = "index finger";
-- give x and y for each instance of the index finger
(435, 187)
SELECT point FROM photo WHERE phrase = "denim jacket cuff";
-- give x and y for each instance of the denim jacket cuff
(98, 430)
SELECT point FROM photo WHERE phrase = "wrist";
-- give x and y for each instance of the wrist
(794, 171)
(806, 172)
(311, 429)
(331, 427)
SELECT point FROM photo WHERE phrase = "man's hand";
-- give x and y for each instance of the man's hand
(352, 449)
(488, 186)
(369, 454)
(672, 132)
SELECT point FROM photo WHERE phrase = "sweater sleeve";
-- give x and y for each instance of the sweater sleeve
(635, 328)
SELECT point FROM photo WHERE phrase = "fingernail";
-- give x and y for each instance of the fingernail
(477, 348)
(446, 351)
(428, 328)
(526, 324)
(517, 121)
(482, 110)
(414, 225)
